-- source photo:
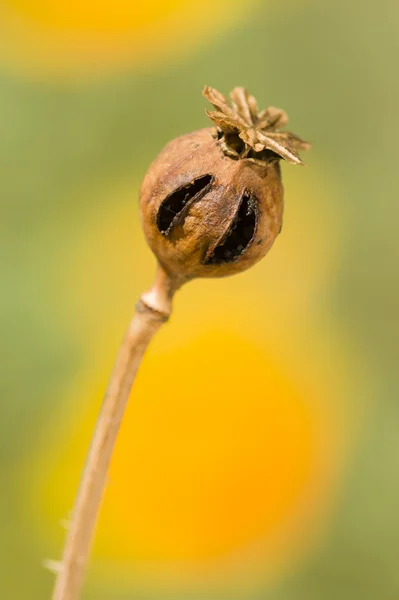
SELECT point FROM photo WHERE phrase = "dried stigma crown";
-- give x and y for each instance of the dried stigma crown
(244, 132)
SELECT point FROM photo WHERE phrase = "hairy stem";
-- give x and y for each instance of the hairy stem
(152, 310)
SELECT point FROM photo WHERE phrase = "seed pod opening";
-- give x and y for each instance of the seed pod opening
(239, 235)
(177, 203)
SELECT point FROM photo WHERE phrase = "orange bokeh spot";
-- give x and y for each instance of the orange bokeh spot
(94, 37)
(218, 452)
(101, 16)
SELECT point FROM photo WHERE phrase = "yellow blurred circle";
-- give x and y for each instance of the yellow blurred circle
(223, 466)
(101, 16)
(48, 37)
(215, 450)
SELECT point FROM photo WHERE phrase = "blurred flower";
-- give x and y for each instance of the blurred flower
(95, 36)
(232, 444)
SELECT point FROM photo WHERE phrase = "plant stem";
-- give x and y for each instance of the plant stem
(152, 310)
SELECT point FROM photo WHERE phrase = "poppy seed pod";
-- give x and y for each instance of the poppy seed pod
(212, 201)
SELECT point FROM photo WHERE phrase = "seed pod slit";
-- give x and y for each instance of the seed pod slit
(172, 208)
(239, 235)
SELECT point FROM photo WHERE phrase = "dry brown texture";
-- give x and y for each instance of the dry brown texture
(259, 132)
(241, 158)
(183, 252)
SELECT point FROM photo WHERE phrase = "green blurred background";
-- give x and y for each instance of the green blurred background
(259, 458)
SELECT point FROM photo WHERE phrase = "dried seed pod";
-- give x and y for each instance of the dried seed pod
(212, 201)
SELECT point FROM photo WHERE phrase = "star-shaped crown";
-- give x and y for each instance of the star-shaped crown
(246, 133)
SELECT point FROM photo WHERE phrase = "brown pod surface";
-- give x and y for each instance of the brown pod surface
(212, 201)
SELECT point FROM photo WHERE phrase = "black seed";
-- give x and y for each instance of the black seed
(174, 204)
